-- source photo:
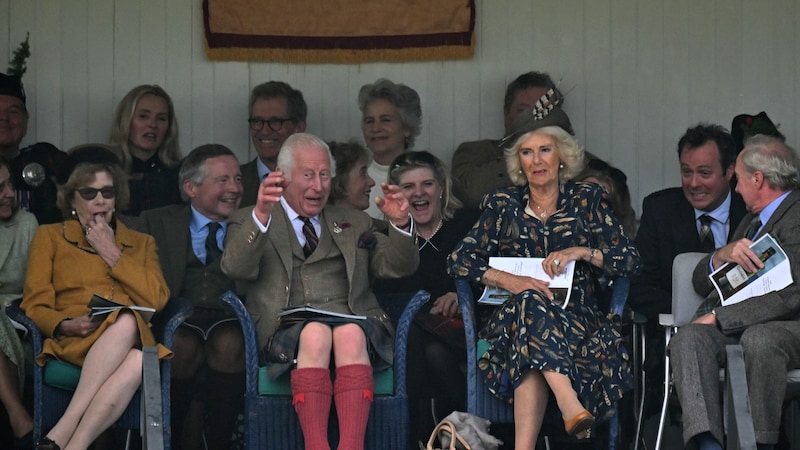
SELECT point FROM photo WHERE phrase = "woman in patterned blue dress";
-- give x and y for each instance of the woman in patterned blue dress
(538, 348)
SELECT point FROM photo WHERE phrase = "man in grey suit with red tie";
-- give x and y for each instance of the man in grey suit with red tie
(767, 327)
(295, 249)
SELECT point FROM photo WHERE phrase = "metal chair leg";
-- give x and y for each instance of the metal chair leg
(667, 389)
(640, 351)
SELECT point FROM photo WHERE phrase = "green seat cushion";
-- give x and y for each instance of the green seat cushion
(62, 375)
(384, 383)
(482, 347)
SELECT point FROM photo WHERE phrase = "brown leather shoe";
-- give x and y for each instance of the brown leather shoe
(579, 426)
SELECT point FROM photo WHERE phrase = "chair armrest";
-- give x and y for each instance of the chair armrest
(467, 305)
(401, 340)
(619, 295)
(666, 320)
(167, 321)
(740, 420)
(250, 341)
(14, 312)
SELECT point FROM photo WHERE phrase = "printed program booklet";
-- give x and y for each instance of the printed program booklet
(308, 312)
(734, 284)
(560, 286)
(100, 307)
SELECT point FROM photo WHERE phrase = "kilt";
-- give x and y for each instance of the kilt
(280, 354)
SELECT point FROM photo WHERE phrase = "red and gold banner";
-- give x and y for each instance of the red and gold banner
(339, 31)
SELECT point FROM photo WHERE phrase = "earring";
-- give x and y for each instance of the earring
(561, 166)
(74, 213)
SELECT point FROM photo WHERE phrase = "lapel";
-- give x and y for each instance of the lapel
(331, 221)
(685, 225)
(8, 243)
(177, 240)
(282, 237)
(737, 213)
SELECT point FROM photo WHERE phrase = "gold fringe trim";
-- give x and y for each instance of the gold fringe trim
(308, 56)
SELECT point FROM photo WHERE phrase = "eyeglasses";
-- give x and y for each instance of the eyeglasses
(91, 193)
(274, 124)
(421, 158)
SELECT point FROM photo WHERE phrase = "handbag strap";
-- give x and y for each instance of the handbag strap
(446, 425)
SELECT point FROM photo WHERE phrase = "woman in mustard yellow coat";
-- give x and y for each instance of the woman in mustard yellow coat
(91, 253)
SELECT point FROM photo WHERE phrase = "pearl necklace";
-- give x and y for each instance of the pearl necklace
(428, 239)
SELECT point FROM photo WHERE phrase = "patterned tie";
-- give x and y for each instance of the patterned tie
(752, 229)
(213, 253)
(311, 236)
(707, 243)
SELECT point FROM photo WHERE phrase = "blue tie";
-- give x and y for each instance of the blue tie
(213, 252)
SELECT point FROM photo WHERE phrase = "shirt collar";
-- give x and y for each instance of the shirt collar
(767, 212)
(292, 214)
(262, 169)
(721, 214)
(199, 221)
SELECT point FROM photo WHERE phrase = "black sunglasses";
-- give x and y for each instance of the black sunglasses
(91, 193)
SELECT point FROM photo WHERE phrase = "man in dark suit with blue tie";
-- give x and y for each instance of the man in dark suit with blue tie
(189, 239)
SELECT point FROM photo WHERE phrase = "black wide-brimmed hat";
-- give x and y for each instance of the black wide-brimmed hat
(11, 85)
(745, 126)
(85, 154)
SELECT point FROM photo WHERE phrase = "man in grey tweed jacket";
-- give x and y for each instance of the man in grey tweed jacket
(767, 327)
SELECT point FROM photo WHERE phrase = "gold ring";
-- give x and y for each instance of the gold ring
(88, 230)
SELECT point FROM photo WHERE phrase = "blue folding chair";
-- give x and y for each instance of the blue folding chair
(270, 419)
(54, 383)
(480, 401)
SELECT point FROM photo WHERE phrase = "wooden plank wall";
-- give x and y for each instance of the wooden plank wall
(637, 73)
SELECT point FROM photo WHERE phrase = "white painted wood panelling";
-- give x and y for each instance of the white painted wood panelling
(637, 73)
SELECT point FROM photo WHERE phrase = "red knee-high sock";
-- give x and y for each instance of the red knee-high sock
(311, 397)
(353, 391)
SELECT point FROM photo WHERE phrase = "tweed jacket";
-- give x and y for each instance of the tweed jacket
(15, 241)
(478, 168)
(250, 183)
(783, 225)
(668, 228)
(64, 272)
(264, 260)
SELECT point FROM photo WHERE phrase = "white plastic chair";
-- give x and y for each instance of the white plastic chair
(685, 302)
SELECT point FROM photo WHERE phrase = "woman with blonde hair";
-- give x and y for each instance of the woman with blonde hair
(541, 346)
(144, 132)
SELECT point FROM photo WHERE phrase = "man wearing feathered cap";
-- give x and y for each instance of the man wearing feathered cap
(479, 167)
(32, 168)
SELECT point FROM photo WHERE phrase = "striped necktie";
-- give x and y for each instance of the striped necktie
(707, 243)
(311, 236)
